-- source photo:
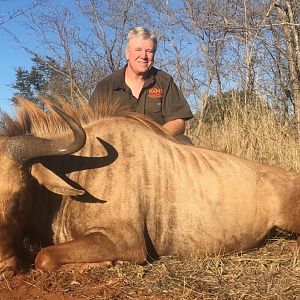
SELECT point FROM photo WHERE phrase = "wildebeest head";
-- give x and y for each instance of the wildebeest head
(17, 151)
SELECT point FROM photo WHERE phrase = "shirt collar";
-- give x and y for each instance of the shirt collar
(120, 78)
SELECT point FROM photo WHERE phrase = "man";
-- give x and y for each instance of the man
(144, 88)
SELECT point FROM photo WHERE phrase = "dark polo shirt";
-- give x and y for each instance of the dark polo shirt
(159, 99)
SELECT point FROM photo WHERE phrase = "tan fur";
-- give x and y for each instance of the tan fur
(30, 119)
(145, 195)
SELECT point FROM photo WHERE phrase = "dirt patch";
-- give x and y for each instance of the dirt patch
(270, 272)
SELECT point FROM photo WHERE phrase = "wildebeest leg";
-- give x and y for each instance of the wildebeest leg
(91, 248)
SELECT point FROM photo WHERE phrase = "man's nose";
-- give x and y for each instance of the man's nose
(144, 54)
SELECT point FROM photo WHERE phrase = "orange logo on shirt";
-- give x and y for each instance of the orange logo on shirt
(155, 92)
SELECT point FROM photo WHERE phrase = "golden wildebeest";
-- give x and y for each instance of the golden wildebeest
(128, 191)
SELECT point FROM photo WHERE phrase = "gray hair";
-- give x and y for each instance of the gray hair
(144, 33)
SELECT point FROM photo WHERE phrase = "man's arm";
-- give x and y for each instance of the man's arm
(175, 127)
(175, 109)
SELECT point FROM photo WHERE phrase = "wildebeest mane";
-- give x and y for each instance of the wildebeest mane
(31, 119)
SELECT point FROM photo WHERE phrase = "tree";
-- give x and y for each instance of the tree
(289, 15)
(44, 79)
(7, 16)
(223, 105)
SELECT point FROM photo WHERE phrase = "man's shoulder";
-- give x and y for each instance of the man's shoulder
(162, 76)
(110, 80)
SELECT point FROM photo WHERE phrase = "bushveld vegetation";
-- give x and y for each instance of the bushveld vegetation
(249, 129)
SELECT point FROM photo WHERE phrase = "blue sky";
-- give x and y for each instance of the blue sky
(11, 56)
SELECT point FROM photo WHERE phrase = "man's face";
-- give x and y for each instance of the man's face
(140, 55)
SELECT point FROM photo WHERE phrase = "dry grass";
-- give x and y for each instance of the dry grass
(269, 272)
(253, 132)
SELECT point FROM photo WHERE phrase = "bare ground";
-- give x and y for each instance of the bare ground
(270, 272)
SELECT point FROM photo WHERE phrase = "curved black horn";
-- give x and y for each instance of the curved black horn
(23, 148)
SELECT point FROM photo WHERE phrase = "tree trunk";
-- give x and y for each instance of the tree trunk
(291, 34)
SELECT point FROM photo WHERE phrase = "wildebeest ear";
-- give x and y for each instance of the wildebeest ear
(52, 182)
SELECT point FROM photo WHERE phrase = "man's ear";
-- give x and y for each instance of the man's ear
(127, 53)
(53, 182)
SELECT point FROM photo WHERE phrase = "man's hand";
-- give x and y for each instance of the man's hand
(175, 127)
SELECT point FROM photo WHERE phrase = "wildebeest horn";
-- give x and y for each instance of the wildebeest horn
(23, 148)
